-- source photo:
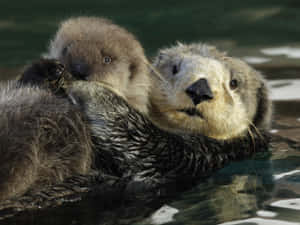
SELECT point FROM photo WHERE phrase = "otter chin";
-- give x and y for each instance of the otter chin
(191, 112)
(198, 89)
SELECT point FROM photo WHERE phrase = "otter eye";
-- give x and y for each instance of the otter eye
(175, 69)
(107, 60)
(233, 84)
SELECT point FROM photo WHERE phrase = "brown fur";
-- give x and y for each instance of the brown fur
(43, 140)
(53, 141)
(88, 41)
(231, 112)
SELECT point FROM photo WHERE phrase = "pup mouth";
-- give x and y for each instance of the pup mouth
(191, 112)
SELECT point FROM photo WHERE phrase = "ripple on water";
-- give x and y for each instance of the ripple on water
(163, 215)
(281, 175)
(259, 221)
(288, 203)
(264, 213)
(290, 52)
(256, 60)
(287, 89)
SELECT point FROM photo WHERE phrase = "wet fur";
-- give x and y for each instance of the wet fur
(43, 139)
(128, 154)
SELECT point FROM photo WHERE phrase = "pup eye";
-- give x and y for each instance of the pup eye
(107, 60)
(175, 69)
(233, 84)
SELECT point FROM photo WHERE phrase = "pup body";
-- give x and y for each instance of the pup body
(44, 139)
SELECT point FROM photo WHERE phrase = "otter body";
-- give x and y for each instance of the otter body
(121, 144)
(91, 49)
(44, 139)
(105, 119)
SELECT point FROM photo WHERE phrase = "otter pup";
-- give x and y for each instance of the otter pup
(94, 48)
(91, 49)
(205, 91)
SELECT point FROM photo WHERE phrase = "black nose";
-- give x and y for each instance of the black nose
(80, 70)
(199, 91)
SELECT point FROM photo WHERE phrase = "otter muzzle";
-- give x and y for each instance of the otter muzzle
(199, 91)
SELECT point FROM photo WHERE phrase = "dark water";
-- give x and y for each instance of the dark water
(239, 191)
(26, 27)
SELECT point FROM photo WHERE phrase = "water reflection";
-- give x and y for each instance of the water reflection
(235, 192)
(264, 190)
(243, 190)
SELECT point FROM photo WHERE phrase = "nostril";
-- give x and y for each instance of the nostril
(199, 91)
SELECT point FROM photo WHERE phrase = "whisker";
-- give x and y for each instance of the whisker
(252, 137)
(156, 72)
(256, 129)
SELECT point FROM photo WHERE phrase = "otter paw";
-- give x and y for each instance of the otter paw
(55, 70)
(42, 71)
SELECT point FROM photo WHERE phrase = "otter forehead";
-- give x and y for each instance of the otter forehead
(187, 68)
(96, 31)
(92, 51)
(199, 67)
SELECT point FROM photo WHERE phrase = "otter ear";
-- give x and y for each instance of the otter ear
(262, 119)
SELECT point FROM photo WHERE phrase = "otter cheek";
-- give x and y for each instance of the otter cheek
(236, 122)
(216, 116)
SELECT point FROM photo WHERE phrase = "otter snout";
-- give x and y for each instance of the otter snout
(199, 91)
(80, 70)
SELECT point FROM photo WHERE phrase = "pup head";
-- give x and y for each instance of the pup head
(95, 49)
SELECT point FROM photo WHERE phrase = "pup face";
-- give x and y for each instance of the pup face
(217, 98)
(94, 49)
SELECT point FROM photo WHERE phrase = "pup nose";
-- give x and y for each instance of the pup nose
(80, 70)
(199, 91)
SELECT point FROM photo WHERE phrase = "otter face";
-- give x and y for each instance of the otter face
(202, 94)
(95, 49)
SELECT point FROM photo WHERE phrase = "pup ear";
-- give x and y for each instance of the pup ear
(263, 117)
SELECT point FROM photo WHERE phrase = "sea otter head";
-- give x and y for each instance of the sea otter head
(204, 92)
(95, 49)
